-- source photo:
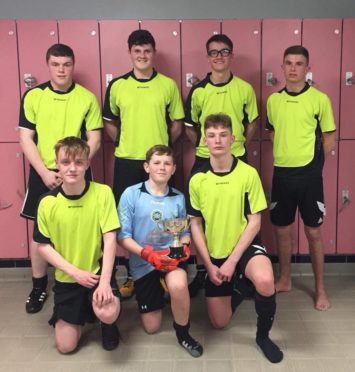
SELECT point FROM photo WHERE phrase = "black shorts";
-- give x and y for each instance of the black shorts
(149, 291)
(127, 172)
(35, 189)
(72, 302)
(289, 193)
(226, 288)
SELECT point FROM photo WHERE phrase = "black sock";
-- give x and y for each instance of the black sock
(242, 286)
(40, 283)
(186, 341)
(265, 308)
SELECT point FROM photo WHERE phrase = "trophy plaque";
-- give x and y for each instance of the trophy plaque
(175, 227)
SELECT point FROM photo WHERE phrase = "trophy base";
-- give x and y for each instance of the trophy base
(177, 252)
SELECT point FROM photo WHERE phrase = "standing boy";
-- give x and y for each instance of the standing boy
(302, 129)
(50, 112)
(142, 210)
(76, 232)
(142, 108)
(220, 91)
(227, 196)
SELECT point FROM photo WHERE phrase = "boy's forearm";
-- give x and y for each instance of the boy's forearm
(246, 238)
(55, 259)
(109, 256)
(200, 241)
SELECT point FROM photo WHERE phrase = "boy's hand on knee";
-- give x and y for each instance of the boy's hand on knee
(103, 295)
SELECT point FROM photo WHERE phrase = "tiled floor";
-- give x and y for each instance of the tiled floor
(311, 340)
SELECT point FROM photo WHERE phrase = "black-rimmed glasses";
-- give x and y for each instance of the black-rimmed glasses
(225, 52)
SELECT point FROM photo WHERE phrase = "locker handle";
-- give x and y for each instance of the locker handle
(349, 79)
(345, 200)
(191, 80)
(271, 80)
(5, 205)
(29, 80)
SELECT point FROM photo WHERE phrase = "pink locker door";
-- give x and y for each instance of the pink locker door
(194, 68)
(278, 34)
(34, 38)
(13, 230)
(167, 37)
(325, 75)
(115, 61)
(9, 88)
(267, 229)
(253, 150)
(347, 107)
(168, 61)
(246, 37)
(193, 49)
(83, 37)
(346, 192)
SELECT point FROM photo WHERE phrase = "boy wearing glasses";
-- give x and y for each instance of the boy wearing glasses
(219, 92)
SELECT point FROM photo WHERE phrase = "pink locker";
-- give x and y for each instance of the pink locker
(253, 150)
(246, 37)
(346, 192)
(325, 75)
(13, 230)
(168, 61)
(9, 88)
(278, 34)
(193, 49)
(115, 61)
(83, 37)
(194, 68)
(347, 107)
(167, 37)
(267, 229)
(34, 38)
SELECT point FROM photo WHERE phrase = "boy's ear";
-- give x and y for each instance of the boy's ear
(146, 167)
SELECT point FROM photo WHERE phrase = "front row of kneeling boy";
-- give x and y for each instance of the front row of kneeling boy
(77, 226)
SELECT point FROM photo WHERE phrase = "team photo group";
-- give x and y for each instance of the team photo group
(79, 222)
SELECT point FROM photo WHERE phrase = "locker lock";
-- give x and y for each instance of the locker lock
(29, 80)
(309, 78)
(270, 79)
(349, 79)
(345, 200)
(191, 80)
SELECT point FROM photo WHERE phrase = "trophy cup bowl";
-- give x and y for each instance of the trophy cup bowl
(175, 227)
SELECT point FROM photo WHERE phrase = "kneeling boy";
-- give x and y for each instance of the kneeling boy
(142, 208)
(76, 229)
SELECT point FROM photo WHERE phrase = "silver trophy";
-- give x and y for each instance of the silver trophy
(175, 227)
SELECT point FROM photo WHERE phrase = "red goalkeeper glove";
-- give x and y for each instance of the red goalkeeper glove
(159, 259)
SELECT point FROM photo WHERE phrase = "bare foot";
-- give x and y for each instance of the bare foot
(283, 285)
(321, 301)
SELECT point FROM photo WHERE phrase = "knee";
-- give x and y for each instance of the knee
(109, 313)
(66, 347)
(151, 328)
(264, 285)
(178, 289)
(312, 234)
(218, 323)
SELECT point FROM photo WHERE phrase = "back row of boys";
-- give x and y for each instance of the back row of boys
(299, 119)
